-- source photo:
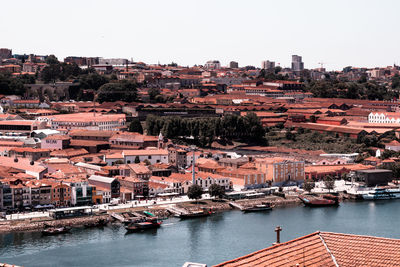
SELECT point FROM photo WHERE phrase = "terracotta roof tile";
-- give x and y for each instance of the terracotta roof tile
(326, 249)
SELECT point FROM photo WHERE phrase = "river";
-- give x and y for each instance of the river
(211, 240)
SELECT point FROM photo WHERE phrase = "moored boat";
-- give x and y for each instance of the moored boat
(195, 214)
(381, 193)
(314, 201)
(145, 224)
(258, 207)
(98, 223)
(56, 230)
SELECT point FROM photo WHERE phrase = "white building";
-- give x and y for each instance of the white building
(267, 65)
(384, 117)
(129, 156)
(88, 121)
(212, 65)
(81, 192)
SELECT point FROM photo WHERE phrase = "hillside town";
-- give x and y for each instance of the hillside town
(89, 140)
(89, 131)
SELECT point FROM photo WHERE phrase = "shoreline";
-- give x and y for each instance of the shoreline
(38, 224)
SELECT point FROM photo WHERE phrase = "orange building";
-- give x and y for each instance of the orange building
(249, 178)
(280, 171)
(60, 194)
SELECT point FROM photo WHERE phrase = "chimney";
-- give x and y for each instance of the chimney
(278, 230)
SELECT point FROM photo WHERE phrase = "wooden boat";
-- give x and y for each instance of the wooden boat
(314, 201)
(56, 230)
(145, 224)
(258, 207)
(98, 223)
(195, 214)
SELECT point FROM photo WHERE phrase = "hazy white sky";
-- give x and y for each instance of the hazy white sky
(362, 33)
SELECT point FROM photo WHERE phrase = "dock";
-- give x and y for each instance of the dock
(236, 205)
(118, 217)
(177, 211)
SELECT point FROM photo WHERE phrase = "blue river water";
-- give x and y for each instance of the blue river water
(210, 240)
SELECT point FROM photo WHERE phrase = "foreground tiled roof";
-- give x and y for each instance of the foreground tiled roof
(326, 249)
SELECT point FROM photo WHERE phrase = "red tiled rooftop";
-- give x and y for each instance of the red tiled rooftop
(325, 249)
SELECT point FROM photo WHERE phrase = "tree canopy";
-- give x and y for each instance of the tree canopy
(195, 192)
(216, 190)
(308, 186)
(362, 89)
(136, 126)
(329, 182)
(206, 130)
(117, 91)
(10, 85)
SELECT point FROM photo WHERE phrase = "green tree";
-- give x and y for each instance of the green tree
(329, 182)
(253, 127)
(308, 186)
(153, 93)
(137, 160)
(290, 136)
(92, 81)
(118, 91)
(52, 59)
(136, 126)
(195, 192)
(51, 73)
(216, 190)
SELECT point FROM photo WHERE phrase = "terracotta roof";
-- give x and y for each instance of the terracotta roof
(91, 133)
(146, 152)
(87, 143)
(326, 249)
(336, 167)
(139, 168)
(393, 143)
(69, 152)
(29, 150)
(372, 159)
(57, 137)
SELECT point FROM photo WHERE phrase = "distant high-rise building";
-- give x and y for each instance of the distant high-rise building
(5, 53)
(212, 65)
(267, 65)
(297, 64)
(113, 61)
(233, 65)
(82, 61)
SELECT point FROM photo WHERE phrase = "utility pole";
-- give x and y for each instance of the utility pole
(193, 165)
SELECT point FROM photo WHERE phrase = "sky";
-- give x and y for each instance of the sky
(339, 33)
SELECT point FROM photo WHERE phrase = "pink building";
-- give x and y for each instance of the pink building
(55, 142)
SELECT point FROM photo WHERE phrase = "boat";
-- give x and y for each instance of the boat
(258, 207)
(143, 224)
(380, 193)
(56, 230)
(98, 223)
(195, 214)
(315, 201)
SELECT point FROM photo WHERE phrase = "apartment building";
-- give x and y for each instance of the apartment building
(280, 171)
(127, 140)
(86, 121)
(33, 154)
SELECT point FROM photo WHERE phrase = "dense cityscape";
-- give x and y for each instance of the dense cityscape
(87, 141)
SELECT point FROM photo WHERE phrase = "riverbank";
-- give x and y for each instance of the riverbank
(38, 224)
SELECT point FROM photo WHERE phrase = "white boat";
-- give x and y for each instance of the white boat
(382, 193)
